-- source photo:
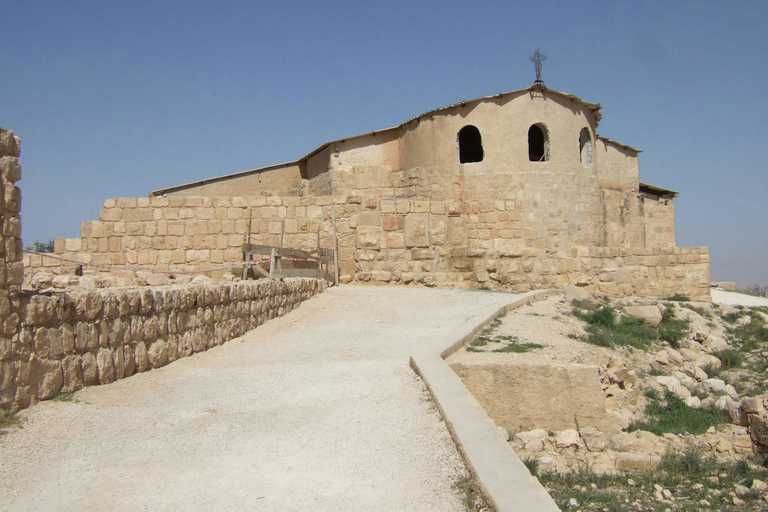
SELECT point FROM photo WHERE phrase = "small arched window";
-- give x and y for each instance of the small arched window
(586, 152)
(538, 143)
(470, 145)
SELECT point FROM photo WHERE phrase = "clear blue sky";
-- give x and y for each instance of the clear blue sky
(122, 98)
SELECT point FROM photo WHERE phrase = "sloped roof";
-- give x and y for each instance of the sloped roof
(536, 87)
(593, 107)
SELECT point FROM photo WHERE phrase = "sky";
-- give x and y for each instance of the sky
(122, 98)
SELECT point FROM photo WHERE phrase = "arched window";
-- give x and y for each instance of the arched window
(586, 152)
(470, 145)
(538, 143)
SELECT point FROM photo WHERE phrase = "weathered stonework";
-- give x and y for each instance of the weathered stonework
(408, 210)
(11, 270)
(70, 340)
(54, 343)
(380, 240)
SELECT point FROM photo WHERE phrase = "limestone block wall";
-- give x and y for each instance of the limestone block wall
(489, 243)
(659, 215)
(11, 270)
(70, 340)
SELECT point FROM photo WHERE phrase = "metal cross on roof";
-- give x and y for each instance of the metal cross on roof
(538, 58)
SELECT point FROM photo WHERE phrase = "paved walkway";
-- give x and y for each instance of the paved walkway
(737, 299)
(317, 410)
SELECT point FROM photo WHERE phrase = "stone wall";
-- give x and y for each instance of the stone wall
(488, 243)
(70, 340)
(11, 270)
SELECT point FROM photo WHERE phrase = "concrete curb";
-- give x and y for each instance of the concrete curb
(504, 480)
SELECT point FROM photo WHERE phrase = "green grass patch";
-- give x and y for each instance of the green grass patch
(605, 330)
(698, 310)
(671, 328)
(480, 341)
(750, 336)
(680, 298)
(677, 472)
(733, 316)
(676, 417)
(518, 348)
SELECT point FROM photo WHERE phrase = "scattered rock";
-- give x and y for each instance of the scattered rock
(153, 279)
(752, 405)
(651, 314)
(675, 357)
(566, 438)
(581, 294)
(731, 391)
(41, 280)
(668, 381)
(593, 439)
(531, 435)
(713, 385)
(90, 282)
(202, 280)
(693, 401)
(65, 281)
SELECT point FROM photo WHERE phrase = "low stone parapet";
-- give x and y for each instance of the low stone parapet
(70, 340)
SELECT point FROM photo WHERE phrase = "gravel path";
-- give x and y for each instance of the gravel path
(737, 299)
(317, 410)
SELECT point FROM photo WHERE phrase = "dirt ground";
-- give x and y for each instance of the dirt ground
(317, 410)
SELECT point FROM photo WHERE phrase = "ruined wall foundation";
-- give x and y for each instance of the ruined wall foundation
(406, 241)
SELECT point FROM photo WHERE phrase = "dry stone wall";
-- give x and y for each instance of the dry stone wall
(487, 243)
(70, 340)
(11, 270)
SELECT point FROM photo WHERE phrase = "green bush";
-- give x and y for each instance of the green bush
(729, 358)
(676, 417)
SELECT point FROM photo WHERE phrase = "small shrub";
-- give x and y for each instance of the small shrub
(713, 371)
(655, 371)
(689, 463)
(532, 463)
(479, 342)
(603, 317)
(729, 358)
(679, 298)
(8, 419)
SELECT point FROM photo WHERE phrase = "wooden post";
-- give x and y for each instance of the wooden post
(246, 244)
(280, 255)
(335, 247)
(271, 262)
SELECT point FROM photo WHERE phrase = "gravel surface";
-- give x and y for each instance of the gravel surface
(317, 410)
(737, 299)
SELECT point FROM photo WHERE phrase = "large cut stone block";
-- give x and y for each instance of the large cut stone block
(416, 231)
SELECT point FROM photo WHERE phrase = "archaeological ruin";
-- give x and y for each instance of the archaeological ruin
(515, 191)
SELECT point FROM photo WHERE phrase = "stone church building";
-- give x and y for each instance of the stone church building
(515, 191)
